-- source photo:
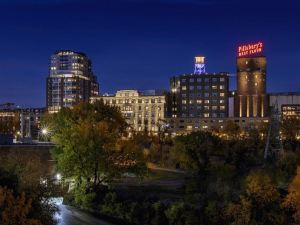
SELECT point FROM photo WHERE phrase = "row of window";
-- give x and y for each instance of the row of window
(206, 94)
(201, 79)
(200, 101)
(205, 107)
(130, 108)
(132, 101)
(207, 87)
(205, 115)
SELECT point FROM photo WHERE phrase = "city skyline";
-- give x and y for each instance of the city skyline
(142, 54)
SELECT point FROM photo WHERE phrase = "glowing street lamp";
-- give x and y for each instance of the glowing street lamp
(44, 131)
(58, 177)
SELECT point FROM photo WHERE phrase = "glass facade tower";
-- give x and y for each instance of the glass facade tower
(70, 80)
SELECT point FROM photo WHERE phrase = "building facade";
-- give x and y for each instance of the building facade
(143, 112)
(186, 125)
(290, 111)
(199, 95)
(30, 122)
(23, 124)
(70, 80)
(251, 97)
(287, 103)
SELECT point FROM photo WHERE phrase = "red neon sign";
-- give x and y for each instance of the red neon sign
(250, 49)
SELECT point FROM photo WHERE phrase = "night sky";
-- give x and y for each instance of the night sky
(139, 44)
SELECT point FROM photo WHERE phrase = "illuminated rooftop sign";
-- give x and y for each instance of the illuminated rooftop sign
(199, 59)
(250, 49)
(199, 65)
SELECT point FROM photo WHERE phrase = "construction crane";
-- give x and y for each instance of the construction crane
(274, 146)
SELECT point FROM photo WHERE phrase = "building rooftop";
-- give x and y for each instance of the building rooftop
(284, 93)
(69, 52)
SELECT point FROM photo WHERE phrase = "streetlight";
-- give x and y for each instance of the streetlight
(58, 177)
(44, 131)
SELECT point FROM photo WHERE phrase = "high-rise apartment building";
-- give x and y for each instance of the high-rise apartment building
(199, 95)
(251, 97)
(70, 81)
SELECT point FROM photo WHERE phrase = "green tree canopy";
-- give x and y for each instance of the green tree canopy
(90, 143)
(195, 150)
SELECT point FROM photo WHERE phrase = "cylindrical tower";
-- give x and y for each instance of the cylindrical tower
(251, 97)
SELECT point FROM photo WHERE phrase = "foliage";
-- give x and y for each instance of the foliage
(90, 146)
(232, 130)
(195, 151)
(15, 210)
(292, 201)
(147, 212)
(21, 172)
(259, 205)
(130, 211)
(290, 128)
(160, 217)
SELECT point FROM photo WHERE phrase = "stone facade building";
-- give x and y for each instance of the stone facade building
(143, 111)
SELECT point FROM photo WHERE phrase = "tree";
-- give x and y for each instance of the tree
(259, 205)
(232, 130)
(90, 144)
(292, 201)
(160, 217)
(15, 210)
(245, 154)
(22, 172)
(195, 150)
(182, 214)
(290, 128)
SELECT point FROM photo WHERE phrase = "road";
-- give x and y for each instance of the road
(71, 216)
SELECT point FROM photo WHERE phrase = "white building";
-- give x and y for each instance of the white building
(142, 111)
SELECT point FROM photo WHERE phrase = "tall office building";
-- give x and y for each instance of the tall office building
(199, 95)
(251, 97)
(70, 80)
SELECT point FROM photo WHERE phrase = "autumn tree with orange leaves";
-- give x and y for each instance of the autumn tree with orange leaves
(15, 210)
